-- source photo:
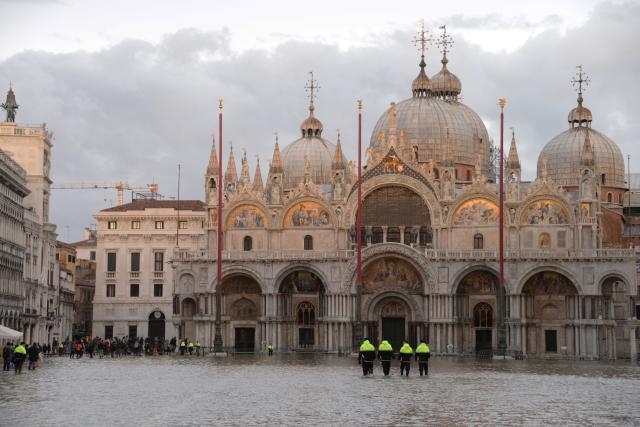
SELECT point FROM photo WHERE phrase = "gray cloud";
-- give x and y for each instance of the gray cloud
(137, 110)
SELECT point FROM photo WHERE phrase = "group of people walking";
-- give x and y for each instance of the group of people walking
(367, 356)
(18, 354)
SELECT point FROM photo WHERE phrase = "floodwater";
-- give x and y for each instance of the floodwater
(317, 390)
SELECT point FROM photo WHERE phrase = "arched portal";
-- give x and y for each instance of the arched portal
(156, 325)
(188, 310)
(476, 300)
(393, 314)
(241, 302)
(551, 304)
(300, 305)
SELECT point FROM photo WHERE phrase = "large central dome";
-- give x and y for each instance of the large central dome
(432, 119)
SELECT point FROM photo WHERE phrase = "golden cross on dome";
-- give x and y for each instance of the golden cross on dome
(423, 38)
(445, 41)
(311, 86)
(580, 79)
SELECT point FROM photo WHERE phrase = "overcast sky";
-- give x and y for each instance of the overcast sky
(130, 89)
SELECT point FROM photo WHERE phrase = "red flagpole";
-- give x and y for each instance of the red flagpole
(501, 290)
(359, 327)
(217, 341)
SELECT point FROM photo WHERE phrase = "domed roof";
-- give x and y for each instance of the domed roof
(430, 124)
(312, 151)
(445, 84)
(421, 85)
(580, 115)
(560, 159)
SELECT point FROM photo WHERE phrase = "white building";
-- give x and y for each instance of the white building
(134, 277)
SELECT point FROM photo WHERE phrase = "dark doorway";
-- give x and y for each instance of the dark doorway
(483, 340)
(551, 341)
(245, 340)
(393, 331)
(156, 325)
(306, 338)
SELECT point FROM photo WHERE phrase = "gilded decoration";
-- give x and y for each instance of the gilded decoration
(392, 164)
(390, 273)
(307, 214)
(240, 285)
(301, 282)
(246, 216)
(544, 212)
(476, 212)
(549, 283)
(478, 282)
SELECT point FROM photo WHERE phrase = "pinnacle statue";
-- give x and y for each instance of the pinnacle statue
(10, 105)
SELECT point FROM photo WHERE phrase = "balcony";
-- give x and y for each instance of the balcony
(134, 275)
(158, 275)
(110, 275)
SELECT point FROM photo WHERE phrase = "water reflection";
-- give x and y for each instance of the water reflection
(318, 390)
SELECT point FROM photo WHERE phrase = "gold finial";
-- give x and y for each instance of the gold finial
(338, 131)
(311, 87)
(276, 135)
(359, 105)
(580, 79)
(423, 38)
(513, 132)
(220, 105)
(502, 102)
(445, 41)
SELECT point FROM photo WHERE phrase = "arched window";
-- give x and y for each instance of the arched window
(212, 184)
(247, 244)
(483, 316)
(609, 197)
(544, 240)
(376, 235)
(308, 243)
(306, 313)
(393, 234)
(478, 241)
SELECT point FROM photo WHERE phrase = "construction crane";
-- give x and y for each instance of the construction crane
(120, 187)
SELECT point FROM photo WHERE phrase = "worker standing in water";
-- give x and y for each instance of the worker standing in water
(385, 353)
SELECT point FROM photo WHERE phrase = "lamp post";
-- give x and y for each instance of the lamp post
(501, 296)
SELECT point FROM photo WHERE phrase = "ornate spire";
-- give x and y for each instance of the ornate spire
(421, 85)
(338, 157)
(231, 175)
(212, 167)
(245, 178)
(588, 156)
(513, 161)
(276, 160)
(311, 126)
(258, 187)
(580, 115)
(10, 105)
(445, 84)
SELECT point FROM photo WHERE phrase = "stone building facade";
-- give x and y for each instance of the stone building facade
(430, 261)
(134, 280)
(30, 147)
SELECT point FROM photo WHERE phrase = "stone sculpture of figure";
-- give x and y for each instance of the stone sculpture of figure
(512, 215)
(367, 235)
(275, 192)
(587, 187)
(415, 234)
(352, 233)
(447, 188)
(307, 165)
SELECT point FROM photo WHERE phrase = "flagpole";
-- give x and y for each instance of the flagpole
(501, 296)
(359, 326)
(217, 340)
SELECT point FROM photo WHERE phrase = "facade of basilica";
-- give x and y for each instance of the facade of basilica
(430, 241)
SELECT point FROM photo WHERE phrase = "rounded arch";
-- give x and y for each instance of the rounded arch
(550, 283)
(470, 269)
(370, 306)
(376, 182)
(550, 210)
(239, 270)
(480, 281)
(610, 277)
(186, 283)
(243, 309)
(188, 307)
(235, 207)
(285, 272)
(307, 212)
(548, 268)
(239, 284)
(370, 253)
(476, 209)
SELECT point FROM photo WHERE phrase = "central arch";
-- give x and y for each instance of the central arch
(241, 302)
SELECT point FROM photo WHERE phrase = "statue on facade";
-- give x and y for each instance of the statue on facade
(10, 105)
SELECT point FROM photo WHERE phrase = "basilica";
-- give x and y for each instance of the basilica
(430, 240)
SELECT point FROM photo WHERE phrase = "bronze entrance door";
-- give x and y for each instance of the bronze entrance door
(483, 340)
(245, 340)
(393, 331)
(550, 341)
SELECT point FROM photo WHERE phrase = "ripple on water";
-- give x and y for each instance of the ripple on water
(317, 390)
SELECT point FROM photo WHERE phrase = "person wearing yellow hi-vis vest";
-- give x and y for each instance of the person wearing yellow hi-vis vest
(385, 353)
(422, 356)
(366, 357)
(406, 354)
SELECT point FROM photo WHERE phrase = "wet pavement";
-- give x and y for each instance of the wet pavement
(317, 390)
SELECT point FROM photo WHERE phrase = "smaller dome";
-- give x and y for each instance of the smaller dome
(311, 126)
(445, 84)
(421, 85)
(580, 115)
